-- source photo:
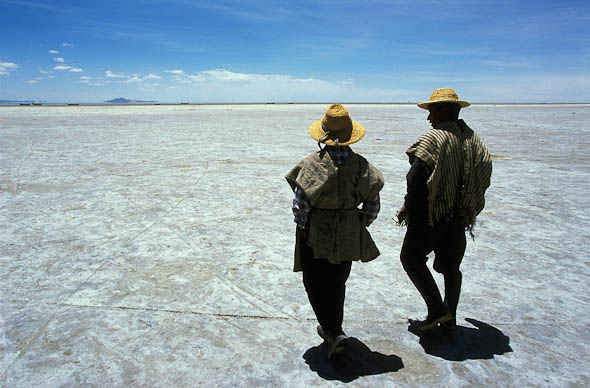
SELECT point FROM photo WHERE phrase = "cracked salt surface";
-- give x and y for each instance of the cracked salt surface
(152, 246)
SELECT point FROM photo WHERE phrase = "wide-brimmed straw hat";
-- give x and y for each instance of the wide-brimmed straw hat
(444, 95)
(337, 124)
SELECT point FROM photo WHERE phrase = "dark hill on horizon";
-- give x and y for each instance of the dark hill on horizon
(122, 100)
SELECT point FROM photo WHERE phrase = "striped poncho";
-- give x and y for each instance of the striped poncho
(461, 170)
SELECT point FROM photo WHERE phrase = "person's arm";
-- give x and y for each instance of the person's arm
(301, 209)
(371, 209)
(416, 200)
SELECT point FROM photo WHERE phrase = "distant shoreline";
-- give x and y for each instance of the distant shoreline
(100, 104)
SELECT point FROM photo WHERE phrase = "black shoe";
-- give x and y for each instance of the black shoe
(334, 341)
(337, 346)
(450, 324)
(432, 321)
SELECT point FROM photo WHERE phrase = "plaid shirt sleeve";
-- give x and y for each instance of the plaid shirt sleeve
(301, 208)
(371, 208)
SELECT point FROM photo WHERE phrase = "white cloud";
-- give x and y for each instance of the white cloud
(43, 71)
(88, 81)
(53, 52)
(110, 74)
(224, 75)
(32, 81)
(152, 76)
(221, 85)
(5, 67)
(229, 77)
(179, 72)
(59, 59)
(70, 45)
(135, 78)
(68, 67)
(496, 63)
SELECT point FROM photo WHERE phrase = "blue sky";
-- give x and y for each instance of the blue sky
(294, 51)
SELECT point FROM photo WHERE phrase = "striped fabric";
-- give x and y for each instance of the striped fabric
(461, 170)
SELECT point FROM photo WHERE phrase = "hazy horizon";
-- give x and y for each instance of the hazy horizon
(179, 102)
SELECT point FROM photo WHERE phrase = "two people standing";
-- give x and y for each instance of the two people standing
(450, 171)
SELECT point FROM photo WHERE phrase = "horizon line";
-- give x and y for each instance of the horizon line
(156, 103)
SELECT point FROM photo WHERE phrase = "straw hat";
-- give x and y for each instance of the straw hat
(337, 124)
(444, 95)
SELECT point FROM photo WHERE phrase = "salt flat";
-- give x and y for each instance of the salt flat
(151, 246)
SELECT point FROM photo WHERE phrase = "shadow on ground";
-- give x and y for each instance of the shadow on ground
(465, 343)
(354, 361)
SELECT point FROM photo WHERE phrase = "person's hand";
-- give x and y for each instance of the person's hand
(303, 234)
(402, 216)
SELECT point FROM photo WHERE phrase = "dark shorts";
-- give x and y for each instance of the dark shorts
(447, 241)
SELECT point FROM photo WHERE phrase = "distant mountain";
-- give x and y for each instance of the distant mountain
(122, 100)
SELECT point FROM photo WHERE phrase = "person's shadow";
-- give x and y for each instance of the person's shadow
(464, 343)
(355, 360)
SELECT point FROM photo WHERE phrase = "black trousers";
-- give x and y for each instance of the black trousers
(448, 243)
(325, 284)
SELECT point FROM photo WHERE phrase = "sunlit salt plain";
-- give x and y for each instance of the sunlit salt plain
(151, 246)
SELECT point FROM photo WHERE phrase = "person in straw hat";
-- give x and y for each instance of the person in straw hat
(449, 174)
(329, 186)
